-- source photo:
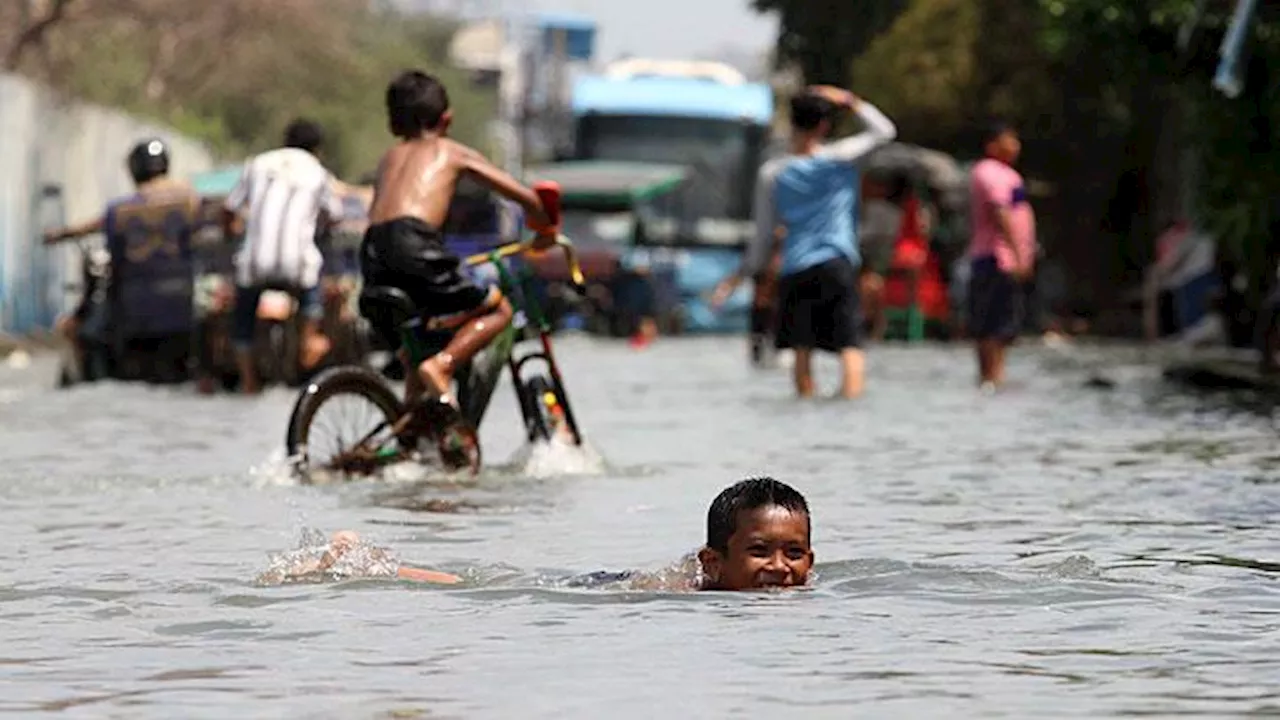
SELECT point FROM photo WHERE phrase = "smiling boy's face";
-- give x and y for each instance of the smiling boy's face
(769, 548)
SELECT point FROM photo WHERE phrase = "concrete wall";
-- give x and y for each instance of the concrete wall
(47, 141)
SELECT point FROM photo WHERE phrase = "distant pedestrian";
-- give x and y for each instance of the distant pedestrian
(812, 193)
(1002, 252)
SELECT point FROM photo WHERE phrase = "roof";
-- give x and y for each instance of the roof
(566, 20)
(587, 182)
(673, 96)
(478, 45)
(579, 33)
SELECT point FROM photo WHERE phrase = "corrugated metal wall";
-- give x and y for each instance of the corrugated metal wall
(48, 142)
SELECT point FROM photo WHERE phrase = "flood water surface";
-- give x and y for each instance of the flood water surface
(1053, 551)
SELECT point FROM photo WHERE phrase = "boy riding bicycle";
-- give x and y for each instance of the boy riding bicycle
(404, 247)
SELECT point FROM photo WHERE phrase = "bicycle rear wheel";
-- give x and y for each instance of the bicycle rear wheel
(324, 449)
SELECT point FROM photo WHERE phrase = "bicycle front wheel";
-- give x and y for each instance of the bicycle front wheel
(542, 404)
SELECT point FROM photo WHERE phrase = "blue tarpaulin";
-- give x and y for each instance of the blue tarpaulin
(1229, 79)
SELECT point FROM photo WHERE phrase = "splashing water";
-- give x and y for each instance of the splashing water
(557, 457)
(319, 559)
(275, 470)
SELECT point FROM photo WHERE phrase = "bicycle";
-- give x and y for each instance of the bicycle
(399, 431)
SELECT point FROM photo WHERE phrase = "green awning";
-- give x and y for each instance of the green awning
(601, 182)
(218, 182)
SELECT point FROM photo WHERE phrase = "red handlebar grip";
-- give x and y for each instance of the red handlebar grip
(549, 193)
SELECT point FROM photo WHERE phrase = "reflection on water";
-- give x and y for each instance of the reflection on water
(1068, 548)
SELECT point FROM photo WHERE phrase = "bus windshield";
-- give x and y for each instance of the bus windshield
(723, 155)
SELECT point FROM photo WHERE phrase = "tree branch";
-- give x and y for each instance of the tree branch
(34, 33)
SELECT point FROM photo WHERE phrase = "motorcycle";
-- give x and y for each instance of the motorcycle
(90, 356)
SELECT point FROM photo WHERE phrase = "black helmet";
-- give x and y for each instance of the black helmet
(148, 160)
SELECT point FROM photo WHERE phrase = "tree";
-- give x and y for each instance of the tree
(234, 72)
(24, 25)
(1161, 56)
(823, 37)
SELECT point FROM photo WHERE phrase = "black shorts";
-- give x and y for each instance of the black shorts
(408, 254)
(995, 302)
(819, 308)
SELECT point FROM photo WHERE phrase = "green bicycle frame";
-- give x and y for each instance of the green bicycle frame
(479, 378)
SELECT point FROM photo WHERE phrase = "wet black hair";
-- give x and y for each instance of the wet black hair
(416, 102)
(304, 134)
(994, 128)
(749, 494)
(809, 110)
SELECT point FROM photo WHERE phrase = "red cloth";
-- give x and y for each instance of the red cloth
(911, 253)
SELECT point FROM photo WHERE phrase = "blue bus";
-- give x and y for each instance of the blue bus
(705, 117)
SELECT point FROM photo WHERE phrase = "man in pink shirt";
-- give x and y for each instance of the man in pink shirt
(1002, 251)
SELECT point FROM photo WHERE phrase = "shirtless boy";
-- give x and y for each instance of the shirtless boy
(404, 247)
(758, 536)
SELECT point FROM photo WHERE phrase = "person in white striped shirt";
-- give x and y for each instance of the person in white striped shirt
(284, 196)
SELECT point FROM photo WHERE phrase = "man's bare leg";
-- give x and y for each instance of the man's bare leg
(999, 351)
(852, 364)
(315, 344)
(436, 372)
(802, 372)
(69, 328)
(248, 372)
(986, 360)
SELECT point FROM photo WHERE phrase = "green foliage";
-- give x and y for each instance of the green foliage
(238, 96)
(1239, 165)
(823, 36)
(944, 66)
(922, 70)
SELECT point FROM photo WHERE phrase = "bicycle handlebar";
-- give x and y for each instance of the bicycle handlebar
(515, 248)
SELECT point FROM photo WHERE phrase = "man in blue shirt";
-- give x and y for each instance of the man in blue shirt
(811, 193)
(148, 234)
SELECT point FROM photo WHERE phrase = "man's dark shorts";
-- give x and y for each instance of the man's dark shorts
(995, 302)
(410, 255)
(819, 308)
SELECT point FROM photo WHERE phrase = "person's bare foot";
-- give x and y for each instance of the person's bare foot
(314, 349)
(436, 379)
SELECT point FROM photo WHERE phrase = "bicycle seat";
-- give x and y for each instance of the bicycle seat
(388, 306)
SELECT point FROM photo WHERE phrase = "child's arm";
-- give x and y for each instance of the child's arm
(879, 128)
(502, 183)
(430, 576)
(725, 288)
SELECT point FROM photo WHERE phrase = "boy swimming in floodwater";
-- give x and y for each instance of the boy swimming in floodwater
(758, 536)
(404, 247)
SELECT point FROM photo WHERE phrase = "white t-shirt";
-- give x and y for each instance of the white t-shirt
(282, 193)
